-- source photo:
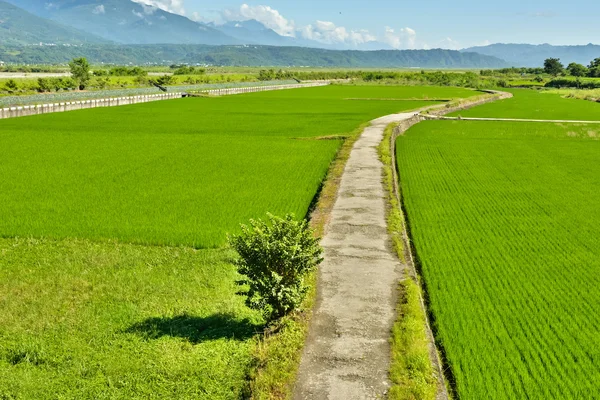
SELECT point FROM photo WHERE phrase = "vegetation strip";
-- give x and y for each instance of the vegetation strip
(558, 121)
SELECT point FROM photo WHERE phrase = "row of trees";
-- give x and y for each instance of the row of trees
(554, 67)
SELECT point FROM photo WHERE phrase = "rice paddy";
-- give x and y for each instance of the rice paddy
(532, 104)
(175, 172)
(504, 220)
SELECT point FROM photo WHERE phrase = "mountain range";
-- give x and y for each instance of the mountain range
(529, 55)
(18, 27)
(125, 22)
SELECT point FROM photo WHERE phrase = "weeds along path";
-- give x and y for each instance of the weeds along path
(347, 354)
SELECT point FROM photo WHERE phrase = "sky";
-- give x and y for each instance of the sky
(416, 24)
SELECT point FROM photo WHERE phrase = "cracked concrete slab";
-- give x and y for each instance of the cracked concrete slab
(347, 354)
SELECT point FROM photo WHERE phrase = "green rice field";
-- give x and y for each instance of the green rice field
(178, 172)
(114, 282)
(532, 104)
(504, 219)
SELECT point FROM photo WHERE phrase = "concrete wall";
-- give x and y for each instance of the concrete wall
(23, 111)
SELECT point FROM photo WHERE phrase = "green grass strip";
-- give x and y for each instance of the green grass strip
(412, 373)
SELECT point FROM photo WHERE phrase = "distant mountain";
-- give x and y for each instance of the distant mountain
(250, 55)
(529, 55)
(18, 27)
(124, 21)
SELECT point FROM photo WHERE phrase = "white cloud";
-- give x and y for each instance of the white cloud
(328, 32)
(266, 15)
(172, 6)
(99, 10)
(137, 14)
(405, 38)
(449, 43)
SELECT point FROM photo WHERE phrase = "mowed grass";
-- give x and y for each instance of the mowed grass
(175, 172)
(85, 320)
(93, 310)
(504, 218)
(533, 104)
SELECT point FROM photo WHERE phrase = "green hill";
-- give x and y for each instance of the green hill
(18, 27)
(249, 56)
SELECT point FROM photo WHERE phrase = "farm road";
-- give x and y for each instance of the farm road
(557, 121)
(347, 354)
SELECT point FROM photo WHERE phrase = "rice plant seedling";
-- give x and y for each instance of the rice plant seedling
(505, 223)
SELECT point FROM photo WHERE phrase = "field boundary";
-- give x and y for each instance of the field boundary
(24, 111)
(557, 121)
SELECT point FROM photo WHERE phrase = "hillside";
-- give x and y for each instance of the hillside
(124, 21)
(529, 55)
(19, 27)
(250, 56)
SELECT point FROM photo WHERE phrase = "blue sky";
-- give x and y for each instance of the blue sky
(410, 24)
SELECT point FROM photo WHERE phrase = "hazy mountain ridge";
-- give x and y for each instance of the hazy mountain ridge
(18, 27)
(529, 55)
(270, 56)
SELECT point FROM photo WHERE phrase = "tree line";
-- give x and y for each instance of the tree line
(554, 67)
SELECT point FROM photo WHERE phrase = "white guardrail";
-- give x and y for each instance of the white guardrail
(23, 111)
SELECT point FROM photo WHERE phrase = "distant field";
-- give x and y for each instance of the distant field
(84, 315)
(532, 104)
(505, 222)
(177, 172)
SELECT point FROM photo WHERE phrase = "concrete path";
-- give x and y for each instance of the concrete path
(347, 354)
(558, 121)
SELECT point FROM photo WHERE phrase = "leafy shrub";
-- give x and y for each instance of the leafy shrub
(44, 85)
(275, 257)
(11, 85)
(186, 70)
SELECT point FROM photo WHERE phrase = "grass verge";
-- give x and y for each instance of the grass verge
(277, 353)
(412, 373)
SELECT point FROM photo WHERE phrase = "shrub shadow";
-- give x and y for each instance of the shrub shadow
(196, 329)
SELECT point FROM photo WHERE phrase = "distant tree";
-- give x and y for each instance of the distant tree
(553, 66)
(80, 71)
(575, 69)
(594, 69)
(44, 85)
(11, 85)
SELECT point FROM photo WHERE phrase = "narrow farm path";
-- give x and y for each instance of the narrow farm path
(347, 353)
(557, 121)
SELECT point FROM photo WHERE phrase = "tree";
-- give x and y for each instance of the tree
(594, 69)
(553, 66)
(80, 71)
(275, 257)
(11, 85)
(578, 70)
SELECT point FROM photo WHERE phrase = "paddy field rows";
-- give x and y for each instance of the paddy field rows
(114, 282)
(505, 223)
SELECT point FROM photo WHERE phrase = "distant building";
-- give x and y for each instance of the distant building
(1, 63)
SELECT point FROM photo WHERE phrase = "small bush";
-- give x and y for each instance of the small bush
(274, 257)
